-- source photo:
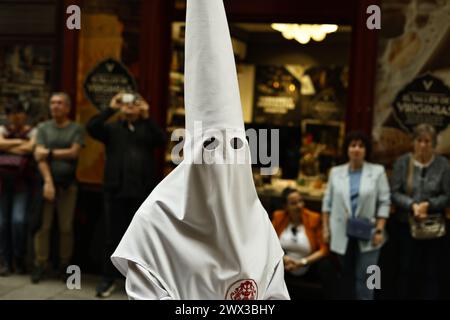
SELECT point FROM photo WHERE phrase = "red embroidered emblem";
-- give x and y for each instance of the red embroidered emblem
(246, 289)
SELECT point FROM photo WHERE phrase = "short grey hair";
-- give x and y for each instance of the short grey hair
(64, 95)
(425, 128)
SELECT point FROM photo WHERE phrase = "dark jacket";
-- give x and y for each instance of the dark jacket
(129, 167)
(434, 187)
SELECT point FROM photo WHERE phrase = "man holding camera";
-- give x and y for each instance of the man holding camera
(129, 173)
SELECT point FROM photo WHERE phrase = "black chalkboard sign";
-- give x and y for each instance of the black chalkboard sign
(425, 100)
(107, 79)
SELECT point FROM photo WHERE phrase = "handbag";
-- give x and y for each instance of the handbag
(11, 164)
(360, 228)
(433, 226)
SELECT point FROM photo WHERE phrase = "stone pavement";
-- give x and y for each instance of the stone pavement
(19, 287)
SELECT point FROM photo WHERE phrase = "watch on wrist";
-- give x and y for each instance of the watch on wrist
(304, 261)
(379, 231)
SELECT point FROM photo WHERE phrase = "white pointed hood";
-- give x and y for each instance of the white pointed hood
(212, 91)
(202, 232)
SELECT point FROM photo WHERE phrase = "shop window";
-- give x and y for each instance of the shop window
(25, 75)
(28, 54)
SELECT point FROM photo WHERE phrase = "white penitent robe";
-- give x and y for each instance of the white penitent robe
(140, 285)
(203, 233)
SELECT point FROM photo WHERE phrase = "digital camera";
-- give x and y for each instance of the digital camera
(128, 98)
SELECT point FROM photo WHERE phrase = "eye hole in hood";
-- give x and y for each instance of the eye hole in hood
(236, 143)
(211, 144)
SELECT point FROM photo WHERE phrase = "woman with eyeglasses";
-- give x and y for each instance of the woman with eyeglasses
(420, 190)
(300, 234)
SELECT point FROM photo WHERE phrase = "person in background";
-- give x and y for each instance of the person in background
(355, 208)
(58, 145)
(17, 140)
(300, 234)
(420, 187)
(129, 170)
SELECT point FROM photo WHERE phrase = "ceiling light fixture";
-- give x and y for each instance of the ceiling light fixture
(303, 33)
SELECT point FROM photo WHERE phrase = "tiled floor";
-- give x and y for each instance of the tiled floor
(19, 287)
